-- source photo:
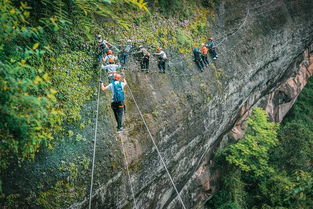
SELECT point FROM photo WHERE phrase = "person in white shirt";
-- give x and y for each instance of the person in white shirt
(118, 106)
(126, 51)
(111, 69)
(161, 59)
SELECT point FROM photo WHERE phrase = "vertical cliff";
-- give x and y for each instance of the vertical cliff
(260, 46)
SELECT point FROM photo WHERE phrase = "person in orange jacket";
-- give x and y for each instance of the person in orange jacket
(204, 55)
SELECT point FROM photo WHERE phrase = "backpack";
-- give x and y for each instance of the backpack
(118, 92)
(197, 53)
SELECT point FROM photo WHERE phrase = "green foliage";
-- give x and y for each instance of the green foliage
(274, 174)
(28, 114)
(40, 92)
(62, 194)
(251, 154)
(183, 39)
(296, 148)
(210, 3)
(71, 73)
(46, 70)
(68, 191)
(232, 195)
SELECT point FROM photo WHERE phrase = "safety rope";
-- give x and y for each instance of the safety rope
(171, 73)
(129, 179)
(95, 144)
(157, 149)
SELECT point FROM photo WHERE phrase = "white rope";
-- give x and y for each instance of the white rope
(157, 149)
(238, 29)
(94, 146)
(129, 179)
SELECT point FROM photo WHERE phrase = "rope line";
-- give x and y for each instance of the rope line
(157, 149)
(129, 179)
(94, 146)
(238, 29)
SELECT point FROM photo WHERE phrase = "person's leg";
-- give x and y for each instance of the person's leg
(142, 64)
(163, 66)
(202, 58)
(205, 60)
(125, 58)
(147, 64)
(160, 66)
(115, 111)
(120, 111)
(214, 53)
(100, 56)
(202, 64)
(198, 63)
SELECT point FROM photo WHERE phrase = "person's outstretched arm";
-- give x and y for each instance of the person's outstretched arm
(103, 88)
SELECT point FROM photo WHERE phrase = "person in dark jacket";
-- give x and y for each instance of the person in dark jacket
(212, 47)
(198, 59)
(144, 58)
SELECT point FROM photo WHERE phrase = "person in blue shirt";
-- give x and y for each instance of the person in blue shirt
(118, 106)
(126, 52)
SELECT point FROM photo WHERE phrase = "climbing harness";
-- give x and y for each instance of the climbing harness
(128, 174)
(95, 144)
(157, 149)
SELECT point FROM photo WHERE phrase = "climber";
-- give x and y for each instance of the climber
(162, 58)
(204, 55)
(197, 58)
(144, 58)
(212, 47)
(126, 52)
(111, 69)
(110, 55)
(103, 46)
(117, 89)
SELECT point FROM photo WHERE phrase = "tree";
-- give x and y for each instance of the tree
(251, 154)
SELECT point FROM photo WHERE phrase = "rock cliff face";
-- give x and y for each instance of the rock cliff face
(278, 102)
(261, 44)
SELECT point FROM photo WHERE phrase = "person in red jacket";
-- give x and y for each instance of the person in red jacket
(204, 55)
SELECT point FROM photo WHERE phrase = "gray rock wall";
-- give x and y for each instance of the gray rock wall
(187, 112)
(188, 115)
